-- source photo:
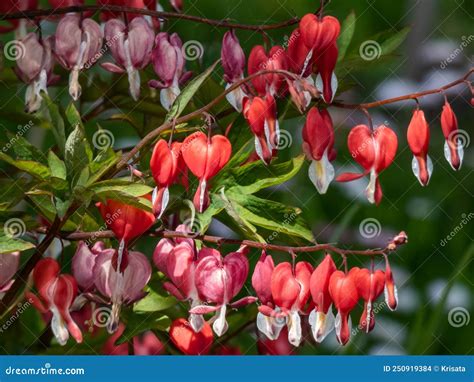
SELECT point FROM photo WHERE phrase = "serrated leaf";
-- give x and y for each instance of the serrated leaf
(188, 92)
(10, 244)
(57, 123)
(57, 166)
(35, 169)
(154, 302)
(347, 33)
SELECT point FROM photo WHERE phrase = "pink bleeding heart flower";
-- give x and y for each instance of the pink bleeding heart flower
(290, 291)
(370, 286)
(270, 83)
(218, 280)
(205, 156)
(130, 46)
(9, 263)
(319, 33)
(418, 136)
(374, 151)
(453, 146)
(34, 66)
(261, 281)
(77, 47)
(318, 144)
(165, 167)
(168, 63)
(321, 317)
(233, 62)
(56, 295)
(261, 115)
(83, 263)
(326, 81)
(177, 259)
(390, 291)
(343, 292)
(122, 284)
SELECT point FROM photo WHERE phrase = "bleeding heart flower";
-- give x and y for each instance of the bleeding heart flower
(205, 157)
(374, 151)
(391, 292)
(270, 83)
(321, 317)
(83, 264)
(290, 291)
(77, 46)
(189, 341)
(370, 286)
(297, 55)
(121, 278)
(177, 260)
(318, 144)
(261, 115)
(168, 63)
(56, 295)
(319, 33)
(453, 149)
(326, 81)
(9, 263)
(165, 165)
(218, 280)
(233, 62)
(418, 136)
(343, 292)
(279, 346)
(34, 67)
(131, 48)
(261, 282)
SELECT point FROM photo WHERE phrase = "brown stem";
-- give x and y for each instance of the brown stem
(392, 246)
(30, 14)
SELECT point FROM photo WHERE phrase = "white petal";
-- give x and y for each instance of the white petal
(321, 173)
(370, 190)
(416, 168)
(269, 326)
(320, 86)
(220, 325)
(395, 292)
(321, 324)
(164, 201)
(196, 321)
(168, 96)
(58, 326)
(235, 97)
(74, 87)
(258, 149)
(447, 154)
(294, 328)
(202, 194)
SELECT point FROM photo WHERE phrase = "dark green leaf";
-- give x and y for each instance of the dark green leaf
(347, 32)
(57, 123)
(35, 169)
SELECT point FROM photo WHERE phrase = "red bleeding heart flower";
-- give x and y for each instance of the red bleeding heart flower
(270, 83)
(326, 81)
(374, 151)
(321, 317)
(165, 165)
(418, 136)
(13, 6)
(391, 292)
(343, 291)
(130, 46)
(318, 144)
(261, 282)
(205, 157)
(319, 33)
(218, 280)
(290, 291)
(297, 55)
(370, 286)
(56, 295)
(453, 148)
(188, 341)
(261, 115)
(9, 263)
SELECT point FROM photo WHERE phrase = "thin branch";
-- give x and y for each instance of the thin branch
(31, 14)
(393, 244)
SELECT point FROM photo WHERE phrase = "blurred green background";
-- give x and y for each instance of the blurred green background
(434, 277)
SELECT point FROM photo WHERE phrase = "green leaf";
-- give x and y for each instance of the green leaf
(23, 149)
(57, 166)
(76, 153)
(12, 192)
(347, 33)
(271, 215)
(139, 323)
(102, 163)
(188, 92)
(124, 197)
(35, 169)
(122, 186)
(73, 116)
(393, 42)
(10, 244)
(57, 123)
(154, 302)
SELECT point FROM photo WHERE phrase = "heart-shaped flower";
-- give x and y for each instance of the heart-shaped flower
(418, 136)
(188, 341)
(453, 147)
